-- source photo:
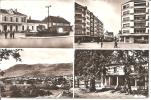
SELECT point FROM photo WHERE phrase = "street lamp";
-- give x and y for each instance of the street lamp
(48, 15)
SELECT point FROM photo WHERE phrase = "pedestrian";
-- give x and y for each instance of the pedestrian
(98, 40)
(0, 32)
(5, 34)
(79, 41)
(101, 42)
(115, 43)
(10, 34)
(13, 34)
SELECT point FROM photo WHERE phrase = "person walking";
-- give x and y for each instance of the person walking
(5, 34)
(13, 34)
(98, 40)
(115, 43)
(79, 41)
(101, 42)
(10, 34)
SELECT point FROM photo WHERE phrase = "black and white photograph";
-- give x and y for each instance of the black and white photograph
(36, 23)
(36, 73)
(111, 24)
(111, 74)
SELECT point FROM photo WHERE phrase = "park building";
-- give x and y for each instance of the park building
(135, 21)
(114, 78)
(87, 26)
(12, 20)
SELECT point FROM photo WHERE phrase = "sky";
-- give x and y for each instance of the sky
(37, 8)
(40, 56)
(108, 11)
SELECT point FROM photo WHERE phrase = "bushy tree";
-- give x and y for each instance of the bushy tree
(92, 64)
(5, 54)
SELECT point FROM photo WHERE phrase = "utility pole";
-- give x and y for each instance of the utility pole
(48, 15)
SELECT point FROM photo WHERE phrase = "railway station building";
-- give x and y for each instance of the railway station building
(12, 20)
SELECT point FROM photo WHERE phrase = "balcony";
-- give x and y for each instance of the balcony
(143, 26)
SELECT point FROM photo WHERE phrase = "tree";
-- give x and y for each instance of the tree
(131, 58)
(93, 64)
(5, 54)
(90, 65)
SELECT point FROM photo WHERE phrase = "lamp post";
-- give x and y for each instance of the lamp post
(48, 15)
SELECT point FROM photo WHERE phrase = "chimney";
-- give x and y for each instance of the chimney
(29, 17)
(15, 10)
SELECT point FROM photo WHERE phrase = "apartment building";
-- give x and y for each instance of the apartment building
(12, 20)
(87, 26)
(135, 21)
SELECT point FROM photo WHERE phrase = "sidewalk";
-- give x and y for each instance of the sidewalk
(110, 45)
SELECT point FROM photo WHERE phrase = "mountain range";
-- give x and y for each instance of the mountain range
(38, 70)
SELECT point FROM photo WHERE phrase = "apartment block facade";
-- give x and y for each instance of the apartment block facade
(135, 21)
(87, 26)
(12, 20)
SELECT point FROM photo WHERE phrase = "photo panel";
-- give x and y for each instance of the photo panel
(111, 24)
(111, 74)
(36, 23)
(36, 73)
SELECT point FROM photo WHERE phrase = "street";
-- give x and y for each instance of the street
(110, 94)
(21, 41)
(110, 45)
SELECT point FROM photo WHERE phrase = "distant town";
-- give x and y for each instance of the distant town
(38, 84)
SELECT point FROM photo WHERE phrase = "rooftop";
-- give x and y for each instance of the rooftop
(33, 21)
(11, 11)
(56, 19)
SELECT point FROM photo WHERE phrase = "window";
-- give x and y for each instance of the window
(140, 4)
(132, 82)
(88, 28)
(88, 23)
(88, 18)
(11, 19)
(139, 31)
(126, 25)
(126, 12)
(126, 6)
(16, 19)
(22, 28)
(126, 19)
(5, 18)
(22, 19)
(55, 24)
(139, 17)
(140, 10)
(126, 31)
(115, 69)
(141, 81)
(32, 27)
(16, 28)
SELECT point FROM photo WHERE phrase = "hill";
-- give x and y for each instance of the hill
(38, 70)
